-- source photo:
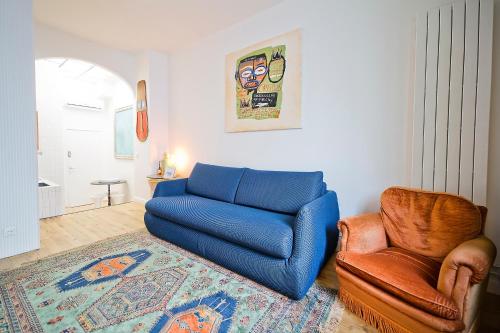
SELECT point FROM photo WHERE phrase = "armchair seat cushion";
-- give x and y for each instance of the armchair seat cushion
(263, 231)
(404, 274)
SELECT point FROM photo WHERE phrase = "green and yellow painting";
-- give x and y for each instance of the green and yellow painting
(259, 79)
(263, 85)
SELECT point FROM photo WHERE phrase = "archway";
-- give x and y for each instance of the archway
(86, 134)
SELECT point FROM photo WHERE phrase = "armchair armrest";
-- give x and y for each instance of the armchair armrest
(171, 187)
(363, 233)
(476, 254)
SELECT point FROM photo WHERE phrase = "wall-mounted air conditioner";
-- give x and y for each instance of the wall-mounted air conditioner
(89, 107)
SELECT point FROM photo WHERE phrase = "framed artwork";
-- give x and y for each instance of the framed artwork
(169, 173)
(124, 133)
(263, 85)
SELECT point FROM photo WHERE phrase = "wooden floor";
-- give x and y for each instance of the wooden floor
(82, 228)
(69, 231)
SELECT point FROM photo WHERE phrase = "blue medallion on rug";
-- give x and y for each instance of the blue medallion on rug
(104, 269)
(209, 314)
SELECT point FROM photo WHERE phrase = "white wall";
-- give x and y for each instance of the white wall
(19, 230)
(153, 67)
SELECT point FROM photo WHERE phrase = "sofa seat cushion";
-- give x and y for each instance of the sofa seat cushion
(406, 275)
(263, 231)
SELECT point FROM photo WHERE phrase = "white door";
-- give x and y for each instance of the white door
(82, 163)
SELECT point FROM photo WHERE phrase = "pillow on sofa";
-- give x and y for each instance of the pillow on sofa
(214, 182)
(279, 191)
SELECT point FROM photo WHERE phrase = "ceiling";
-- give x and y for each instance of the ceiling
(162, 25)
(103, 83)
(82, 71)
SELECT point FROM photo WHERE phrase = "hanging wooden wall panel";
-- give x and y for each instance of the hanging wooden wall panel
(142, 125)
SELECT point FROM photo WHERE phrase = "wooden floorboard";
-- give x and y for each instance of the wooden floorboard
(70, 231)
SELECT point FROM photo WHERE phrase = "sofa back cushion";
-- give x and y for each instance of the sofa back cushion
(214, 182)
(428, 223)
(279, 191)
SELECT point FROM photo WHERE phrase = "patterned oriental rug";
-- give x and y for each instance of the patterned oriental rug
(139, 283)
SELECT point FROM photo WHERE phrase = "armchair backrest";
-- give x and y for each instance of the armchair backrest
(429, 223)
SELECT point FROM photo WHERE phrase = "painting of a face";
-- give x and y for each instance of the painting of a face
(252, 71)
(263, 85)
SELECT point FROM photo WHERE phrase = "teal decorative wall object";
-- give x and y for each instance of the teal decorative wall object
(124, 133)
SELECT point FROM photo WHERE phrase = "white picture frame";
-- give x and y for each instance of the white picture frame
(169, 173)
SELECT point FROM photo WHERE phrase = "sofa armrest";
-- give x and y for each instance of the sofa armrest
(477, 255)
(171, 187)
(363, 233)
(314, 233)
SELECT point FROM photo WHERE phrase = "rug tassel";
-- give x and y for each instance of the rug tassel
(369, 315)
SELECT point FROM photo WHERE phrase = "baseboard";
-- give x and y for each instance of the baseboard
(15, 252)
(139, 200)
(494, 281)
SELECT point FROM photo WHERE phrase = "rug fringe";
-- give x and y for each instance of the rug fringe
(369, 315)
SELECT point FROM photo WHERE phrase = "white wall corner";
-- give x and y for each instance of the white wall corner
(140, 200)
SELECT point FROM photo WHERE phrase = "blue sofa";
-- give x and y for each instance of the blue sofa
(276, 228)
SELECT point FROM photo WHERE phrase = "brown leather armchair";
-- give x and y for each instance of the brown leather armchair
(420, 265)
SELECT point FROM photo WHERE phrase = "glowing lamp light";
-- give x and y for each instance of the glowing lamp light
(180, 160)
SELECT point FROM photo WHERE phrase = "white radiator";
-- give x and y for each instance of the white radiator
(50, 199)
(452, 98)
